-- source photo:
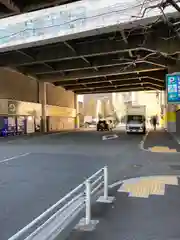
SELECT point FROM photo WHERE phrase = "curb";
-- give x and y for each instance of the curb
(175, 138)
(141, 145)
(31, 135)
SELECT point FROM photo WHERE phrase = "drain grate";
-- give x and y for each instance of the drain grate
(175, 167)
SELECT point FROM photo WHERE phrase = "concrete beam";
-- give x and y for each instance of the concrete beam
(113, 71)
(10, 5)
(129, 89)
(106, 80)
(78, 65)
(117, 85)
(63, 66)
(153, 43)
(152, 74)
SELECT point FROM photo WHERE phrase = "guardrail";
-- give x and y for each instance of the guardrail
(54, 220)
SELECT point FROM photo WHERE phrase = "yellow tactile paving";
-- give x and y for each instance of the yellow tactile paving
(157, 189)
(161, 149)
(139, 192)
(143, 187)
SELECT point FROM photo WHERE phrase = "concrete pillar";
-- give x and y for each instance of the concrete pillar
(171, 118)
(42, 100)
(171, 108)
(170, 115)
(76, 106)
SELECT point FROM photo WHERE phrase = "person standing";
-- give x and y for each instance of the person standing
(110, 125)
(154, 122)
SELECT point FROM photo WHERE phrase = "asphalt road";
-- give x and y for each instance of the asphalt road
(36, 172)
(146, 207)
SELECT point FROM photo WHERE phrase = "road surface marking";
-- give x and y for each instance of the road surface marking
(143, 187)
(155, 149)
(109, 137)
(176, 139)
(116, 184)
(162, 149)
(14, 157)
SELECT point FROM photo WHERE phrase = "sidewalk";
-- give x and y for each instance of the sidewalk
(146, 209)
(36, 134)
(161, 139)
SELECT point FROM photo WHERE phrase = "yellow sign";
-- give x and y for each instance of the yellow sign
(171, 116)
(60, 111)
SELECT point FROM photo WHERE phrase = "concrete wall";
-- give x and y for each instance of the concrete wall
(59, 96)
(60, 123)
(14, 85)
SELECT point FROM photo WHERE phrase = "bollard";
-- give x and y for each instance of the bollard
(88, 201)
(105, 198)
(87, 224)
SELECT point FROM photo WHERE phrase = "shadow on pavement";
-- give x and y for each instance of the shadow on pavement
(161, 139)
(136, 218)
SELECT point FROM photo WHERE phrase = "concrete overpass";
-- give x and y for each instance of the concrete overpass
(131, 56)
(135, 59)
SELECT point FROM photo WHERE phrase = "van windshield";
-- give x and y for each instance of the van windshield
(135, 118)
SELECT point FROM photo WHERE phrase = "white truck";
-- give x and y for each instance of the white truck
(136, 119)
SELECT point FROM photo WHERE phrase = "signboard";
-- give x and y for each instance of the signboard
(173, 88)
(60, 111)
(12, 107)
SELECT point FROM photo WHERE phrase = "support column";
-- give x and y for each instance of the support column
(165, 110)
(76, 106)
(171, 118)
(171, 108)
(42, 100)
(170, 115)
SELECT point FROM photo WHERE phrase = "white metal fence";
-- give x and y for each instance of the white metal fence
(54, 220)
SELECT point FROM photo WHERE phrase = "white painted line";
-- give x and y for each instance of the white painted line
(109, 137)
(176, 139)
(116, 184)
(136, 179)
(14, 157)
(141, 146)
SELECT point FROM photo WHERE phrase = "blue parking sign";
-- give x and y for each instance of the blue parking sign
(173, 88)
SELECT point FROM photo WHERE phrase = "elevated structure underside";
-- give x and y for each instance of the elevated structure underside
(130, 60)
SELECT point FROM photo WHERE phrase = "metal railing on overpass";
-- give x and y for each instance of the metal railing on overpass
(62, 217)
